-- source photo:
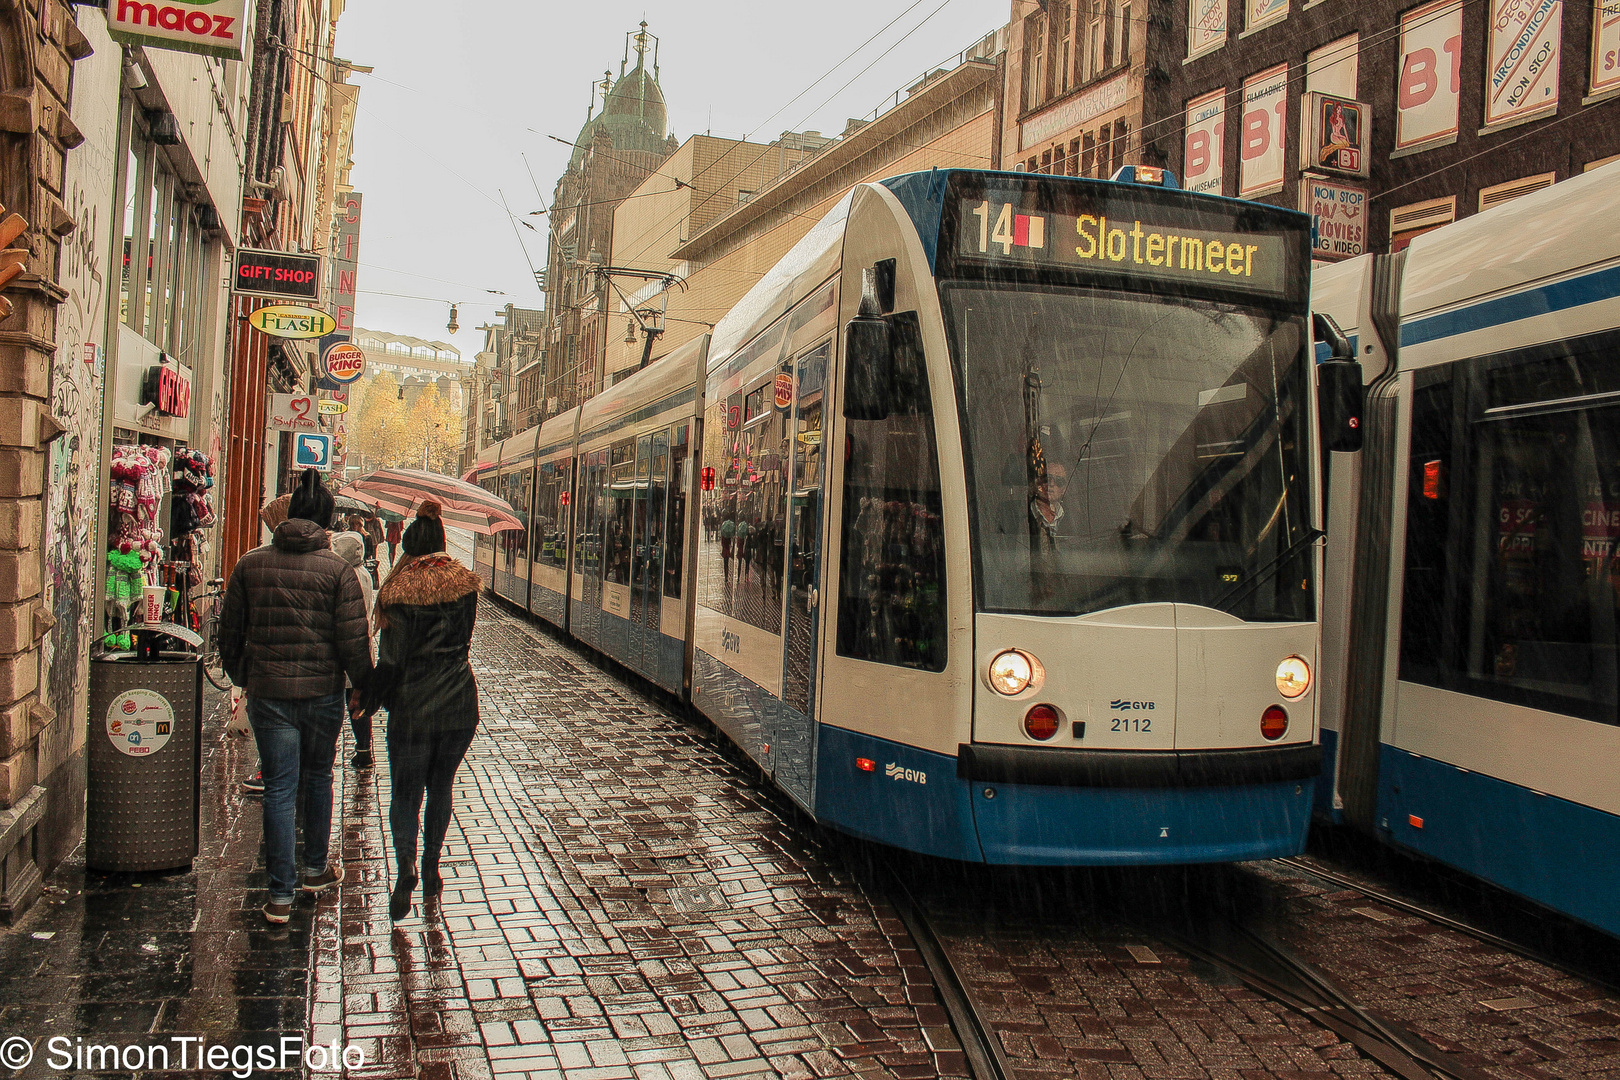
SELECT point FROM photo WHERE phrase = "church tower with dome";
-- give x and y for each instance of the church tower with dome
(622, 143)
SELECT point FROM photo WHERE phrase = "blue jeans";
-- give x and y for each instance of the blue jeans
(297, 742)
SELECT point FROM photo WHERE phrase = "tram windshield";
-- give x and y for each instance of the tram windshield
(1127, 449)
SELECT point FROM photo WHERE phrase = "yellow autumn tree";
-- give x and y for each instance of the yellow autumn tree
(381, 430)
(435, 432)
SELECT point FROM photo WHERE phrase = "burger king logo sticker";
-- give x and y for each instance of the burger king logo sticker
(345, 362)
(140, 722)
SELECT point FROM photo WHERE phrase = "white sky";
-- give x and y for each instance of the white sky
(462, 90)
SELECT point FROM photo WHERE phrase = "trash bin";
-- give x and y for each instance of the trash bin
(143, 801)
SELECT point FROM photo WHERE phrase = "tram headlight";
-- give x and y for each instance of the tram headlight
(1293, 677)
(1012, 671)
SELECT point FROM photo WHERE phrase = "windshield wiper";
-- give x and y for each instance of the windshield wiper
(1240, 592)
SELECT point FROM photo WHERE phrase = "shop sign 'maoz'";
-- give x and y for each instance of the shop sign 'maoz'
(209, 27)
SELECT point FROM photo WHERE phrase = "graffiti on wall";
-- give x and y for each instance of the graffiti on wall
(73, 460)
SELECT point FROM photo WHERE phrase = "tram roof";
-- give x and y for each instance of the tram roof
(1558, 230)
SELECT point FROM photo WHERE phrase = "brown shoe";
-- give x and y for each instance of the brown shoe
(277, 913)
(319, 883)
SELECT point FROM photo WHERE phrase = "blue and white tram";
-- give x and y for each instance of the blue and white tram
(1472, 689)
(986, 523)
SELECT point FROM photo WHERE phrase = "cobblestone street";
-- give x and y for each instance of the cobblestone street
(624, 901)
(620, 901)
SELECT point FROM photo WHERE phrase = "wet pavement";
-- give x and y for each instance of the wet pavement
(625, 901)
(161, 959)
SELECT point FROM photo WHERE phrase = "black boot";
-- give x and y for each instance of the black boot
(399, 901)
(432, 883)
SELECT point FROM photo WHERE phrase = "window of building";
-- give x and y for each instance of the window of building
(1332, 68)
(1061, 15)
(1088, 155)
(1501, 193)
(891, 591)
(1407, 223)
(1096, 33)
(1122, 35)
(165, 256)
(1512, 581)
(1034, 60)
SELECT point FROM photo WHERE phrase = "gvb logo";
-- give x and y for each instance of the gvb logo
(730, 642)
(895, 772)
(1121, 705)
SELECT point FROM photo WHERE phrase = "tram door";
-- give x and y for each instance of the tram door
(635, 647)
(592, 489)
(795, 749)
(646, 598)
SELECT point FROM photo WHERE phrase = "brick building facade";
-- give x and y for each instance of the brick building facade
(41, 756)
(1465, 104)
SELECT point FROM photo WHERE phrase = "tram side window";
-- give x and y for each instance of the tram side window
(618, 510)
(675, 543)
(1512, 585)
(550, 523)
(891, 580)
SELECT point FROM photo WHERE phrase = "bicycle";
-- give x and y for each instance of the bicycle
(208, 626)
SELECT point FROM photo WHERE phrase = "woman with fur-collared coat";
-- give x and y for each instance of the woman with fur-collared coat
(426, 610)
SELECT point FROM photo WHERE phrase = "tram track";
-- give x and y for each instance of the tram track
(1212, 935)
(983, 1051)
(1592, 974)
(1269, 968)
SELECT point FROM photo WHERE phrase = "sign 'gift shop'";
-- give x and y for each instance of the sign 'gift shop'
(282, 275)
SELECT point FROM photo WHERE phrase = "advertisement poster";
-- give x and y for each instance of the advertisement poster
(1338, 219)
(1429, 92)
(1205, 153)
(1265, 127)
(1206, 26)
(1605, 45)
(1336, 134)
(1262, 12)
(1523, 75)
(140, 722)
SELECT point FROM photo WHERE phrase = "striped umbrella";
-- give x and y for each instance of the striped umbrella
(464, 505)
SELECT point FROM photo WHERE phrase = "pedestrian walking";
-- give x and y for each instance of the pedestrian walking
(374, 536)
(393, 542)
(728, 535)
(426, 610)
(293, 624)
(351, 546)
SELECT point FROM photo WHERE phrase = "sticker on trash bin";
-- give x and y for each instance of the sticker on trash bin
(140, 722)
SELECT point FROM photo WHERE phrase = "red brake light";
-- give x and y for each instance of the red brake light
(865, 764)
(1042, 722)
(1434, 479)
(1274, 722)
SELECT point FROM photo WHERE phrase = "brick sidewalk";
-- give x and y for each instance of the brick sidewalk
(620, 903)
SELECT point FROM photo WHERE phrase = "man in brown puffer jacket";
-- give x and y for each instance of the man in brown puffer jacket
(293, 624)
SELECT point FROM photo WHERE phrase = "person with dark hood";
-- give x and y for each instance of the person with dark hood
(293, 624)
(426, 610)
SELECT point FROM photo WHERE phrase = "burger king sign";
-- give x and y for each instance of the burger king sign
(345, 362)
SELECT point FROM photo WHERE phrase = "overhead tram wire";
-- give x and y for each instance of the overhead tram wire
(807, 116)
(821, 105)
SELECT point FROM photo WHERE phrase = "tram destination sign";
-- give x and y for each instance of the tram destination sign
(1127, 239)
(284, 275)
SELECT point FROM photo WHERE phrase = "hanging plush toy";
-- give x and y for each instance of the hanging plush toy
(123, 588)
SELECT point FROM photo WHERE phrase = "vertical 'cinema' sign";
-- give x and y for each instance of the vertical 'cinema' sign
(210, 27)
